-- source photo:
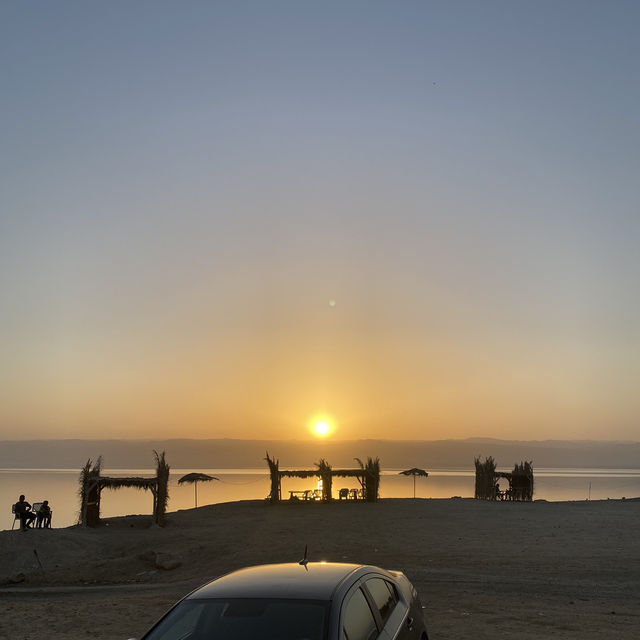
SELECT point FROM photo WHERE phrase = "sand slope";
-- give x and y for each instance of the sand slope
(483, 570)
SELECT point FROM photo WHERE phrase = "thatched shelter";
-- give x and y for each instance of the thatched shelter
(92, 483)
(367, 475)
(520, 481)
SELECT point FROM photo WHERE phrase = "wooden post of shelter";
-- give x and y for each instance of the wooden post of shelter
(522, 481)
(161, 493)
(89, 493)
(370, 478)
(274, 495)
(485, 479)
(325, 473)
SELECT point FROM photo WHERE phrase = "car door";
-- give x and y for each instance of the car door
(357, 619)
(391, 609)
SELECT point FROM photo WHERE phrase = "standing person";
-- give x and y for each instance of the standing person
(23, 509)
(44, 516)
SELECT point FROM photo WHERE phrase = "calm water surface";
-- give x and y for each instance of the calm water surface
(60, 487)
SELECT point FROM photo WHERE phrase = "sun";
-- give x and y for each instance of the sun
(321, 426)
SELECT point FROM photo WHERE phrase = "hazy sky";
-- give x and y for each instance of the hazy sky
(185, 186)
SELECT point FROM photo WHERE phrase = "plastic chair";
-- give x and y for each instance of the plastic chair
(16, 516)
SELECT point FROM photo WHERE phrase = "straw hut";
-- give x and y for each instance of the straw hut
(520, 481)
(92, 483)
(368, 476)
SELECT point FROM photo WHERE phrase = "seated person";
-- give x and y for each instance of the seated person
(44, 516)
(23, 511)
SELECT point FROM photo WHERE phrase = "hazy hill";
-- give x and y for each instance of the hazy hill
(229, 453)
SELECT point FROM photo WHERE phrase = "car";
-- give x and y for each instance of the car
(298, 601)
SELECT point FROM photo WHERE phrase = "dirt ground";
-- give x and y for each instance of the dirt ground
(483, 570)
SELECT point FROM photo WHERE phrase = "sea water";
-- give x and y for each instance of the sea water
(60, 487)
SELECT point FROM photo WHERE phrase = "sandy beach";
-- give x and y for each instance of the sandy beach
(483, 570)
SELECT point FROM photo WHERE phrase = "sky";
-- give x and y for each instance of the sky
(414, 220)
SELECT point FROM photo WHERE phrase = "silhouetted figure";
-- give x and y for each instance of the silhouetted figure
(23, 510)
(44, 516)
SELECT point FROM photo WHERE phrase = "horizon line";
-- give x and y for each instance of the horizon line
(322, 440)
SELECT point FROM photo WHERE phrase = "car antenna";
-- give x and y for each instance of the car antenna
(305, 561)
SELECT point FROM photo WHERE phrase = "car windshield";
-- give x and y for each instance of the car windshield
(243, 619)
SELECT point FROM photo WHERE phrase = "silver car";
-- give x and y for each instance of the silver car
(302, 601)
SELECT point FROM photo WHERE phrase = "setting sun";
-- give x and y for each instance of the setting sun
(321, 428)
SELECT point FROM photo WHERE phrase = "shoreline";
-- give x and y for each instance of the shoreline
(61, 487)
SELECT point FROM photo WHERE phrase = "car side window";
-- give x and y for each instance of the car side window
(358, 622)
(384, 595)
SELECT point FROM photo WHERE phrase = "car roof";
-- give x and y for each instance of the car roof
(316, 581)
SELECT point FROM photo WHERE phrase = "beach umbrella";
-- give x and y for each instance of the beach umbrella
(414, 472)
(194, 478)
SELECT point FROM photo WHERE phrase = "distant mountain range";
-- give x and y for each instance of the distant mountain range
(394, 454)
